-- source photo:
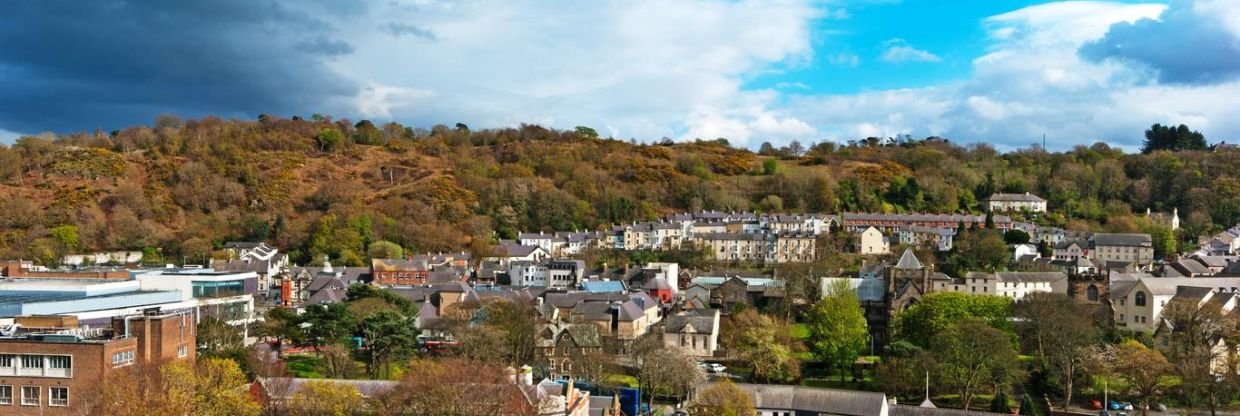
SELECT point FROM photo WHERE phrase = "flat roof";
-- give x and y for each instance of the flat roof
(43, 297)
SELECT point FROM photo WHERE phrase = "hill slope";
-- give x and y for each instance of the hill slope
(327, 187)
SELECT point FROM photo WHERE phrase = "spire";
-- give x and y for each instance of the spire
(927, 403)
(908, 260)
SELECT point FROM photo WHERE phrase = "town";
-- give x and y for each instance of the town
(620, 208)
(567, 323)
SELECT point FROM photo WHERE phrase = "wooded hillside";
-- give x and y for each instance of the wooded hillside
(330, 187)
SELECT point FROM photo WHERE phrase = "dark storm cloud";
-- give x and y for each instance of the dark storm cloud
(1183, 46)
(70, 65)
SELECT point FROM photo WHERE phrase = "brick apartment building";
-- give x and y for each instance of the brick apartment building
(20, 269)
(49, 365)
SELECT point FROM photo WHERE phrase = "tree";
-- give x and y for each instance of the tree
(383, 249)
(722, 398)
(1193, 334)
(325, 398)
(940, 310)
(668, 371)
(1061, 333)
(212, 387)
(837, 328)
(766, 149)
(216, 336)
(454, 387)
(1016, 237)
(796, 148)
(970, 354)
(1146, 371)
(388, 336)
(765, 343)
(769, 166)
(328, 139)
(1160, 137)
(584, 131)
(999, 403)
(283, 324)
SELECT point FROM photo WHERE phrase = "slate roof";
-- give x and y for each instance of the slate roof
(908, 261)
(906, 410)
(701, 321)
(1170, 285)
(1191, 267)
(256, 266)
(810, 399)
(955, 218)
(1126, 240)
(1025, 197)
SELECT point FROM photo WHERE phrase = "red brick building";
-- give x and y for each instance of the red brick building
(51, 371)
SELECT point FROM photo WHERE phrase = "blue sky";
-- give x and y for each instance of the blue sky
(996, 71)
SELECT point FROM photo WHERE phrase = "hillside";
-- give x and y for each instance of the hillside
(323, 187)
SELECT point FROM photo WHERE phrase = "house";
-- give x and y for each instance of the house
(1162, 219)
(660, 289)
(872, 242)
(1015, 285)
(890, 223)
(508, 252)
(560, 274)
(735, 247)
(1014, 202)
(1186, 267)
(938, 238)
(1021, 251)
(696, 332)
(620, 317)
(1138, 306)
(725, 291)
(1135, 248)
(559, 343)
(1070, 250)
(1203, 302)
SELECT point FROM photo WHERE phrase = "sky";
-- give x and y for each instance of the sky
(1004, 72)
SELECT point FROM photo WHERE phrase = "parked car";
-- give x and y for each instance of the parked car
(702, 366)
(716, 368)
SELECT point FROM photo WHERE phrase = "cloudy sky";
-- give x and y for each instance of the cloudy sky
(998, 71)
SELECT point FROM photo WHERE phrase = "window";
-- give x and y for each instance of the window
(122, 358)
(60, 361)
(32, 361)
(6, 395)
(182, 351)
(58, 396)
(6, 360)
(30, 395)
(1091, 293)
(1139, 299)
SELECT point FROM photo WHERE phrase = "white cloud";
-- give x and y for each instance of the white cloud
(642, 69)
(845, 59)
(1030, 81)
(8, 137)
(898, 50)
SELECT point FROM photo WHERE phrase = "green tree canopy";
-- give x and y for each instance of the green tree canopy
(939, 311)
(1173, 138)
(837, 328)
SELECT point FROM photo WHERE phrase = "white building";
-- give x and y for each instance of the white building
(1015, 202)
(1138, 305)
(873, 242)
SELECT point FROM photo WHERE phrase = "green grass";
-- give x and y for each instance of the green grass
(304, 366)
(623, 380)
(799, 331)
